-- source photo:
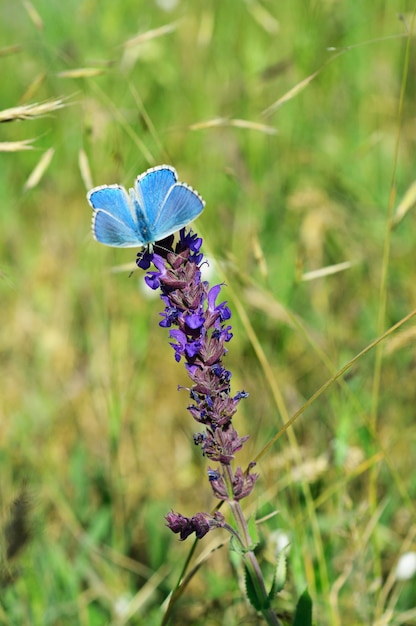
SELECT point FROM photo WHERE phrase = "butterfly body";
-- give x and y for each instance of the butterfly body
(155, 208)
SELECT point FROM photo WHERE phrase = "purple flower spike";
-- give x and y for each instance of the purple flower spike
(199, 332)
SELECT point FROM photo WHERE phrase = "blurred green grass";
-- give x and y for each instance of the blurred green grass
(90, 420)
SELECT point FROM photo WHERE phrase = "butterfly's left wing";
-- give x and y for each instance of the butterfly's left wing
(111, 232)
(112, 221)
(181, 205)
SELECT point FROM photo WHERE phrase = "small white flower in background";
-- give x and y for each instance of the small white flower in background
(280, 540)
(122, 606)
(167, 5)
(406, 566)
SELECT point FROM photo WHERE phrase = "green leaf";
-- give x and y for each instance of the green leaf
(303, 615)
(252, 530)
(279, 577)
(235, 546)
(255, 601)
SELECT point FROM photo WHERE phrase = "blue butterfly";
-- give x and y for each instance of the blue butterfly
(157, 207)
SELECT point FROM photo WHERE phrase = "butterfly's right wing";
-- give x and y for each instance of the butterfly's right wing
(112, 221)
(181, 206)
(151, 189)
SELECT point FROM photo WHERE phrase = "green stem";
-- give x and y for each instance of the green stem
(252, 565)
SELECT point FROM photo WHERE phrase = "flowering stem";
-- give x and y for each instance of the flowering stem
(241, 524)
(199, 333)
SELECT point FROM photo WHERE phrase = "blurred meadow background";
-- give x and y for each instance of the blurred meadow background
(296, 122)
